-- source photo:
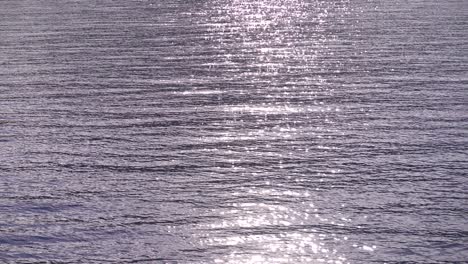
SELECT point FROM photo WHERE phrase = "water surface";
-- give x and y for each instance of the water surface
(216, 131)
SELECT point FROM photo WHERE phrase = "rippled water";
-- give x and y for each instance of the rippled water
(233, 131)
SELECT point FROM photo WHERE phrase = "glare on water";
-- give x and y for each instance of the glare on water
(270, 221)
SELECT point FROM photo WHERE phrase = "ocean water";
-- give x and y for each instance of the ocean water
(233, 131)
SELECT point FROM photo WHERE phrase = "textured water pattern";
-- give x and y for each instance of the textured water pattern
(233, 131)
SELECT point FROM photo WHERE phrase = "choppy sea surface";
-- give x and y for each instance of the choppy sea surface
(233, 131)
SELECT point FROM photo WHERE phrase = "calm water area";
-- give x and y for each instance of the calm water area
(233, 131)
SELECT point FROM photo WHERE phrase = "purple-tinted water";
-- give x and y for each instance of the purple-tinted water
(233, 131)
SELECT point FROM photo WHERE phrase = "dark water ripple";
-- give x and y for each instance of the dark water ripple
(233, 131)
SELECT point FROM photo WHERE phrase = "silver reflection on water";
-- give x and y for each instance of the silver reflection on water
(263, 44)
